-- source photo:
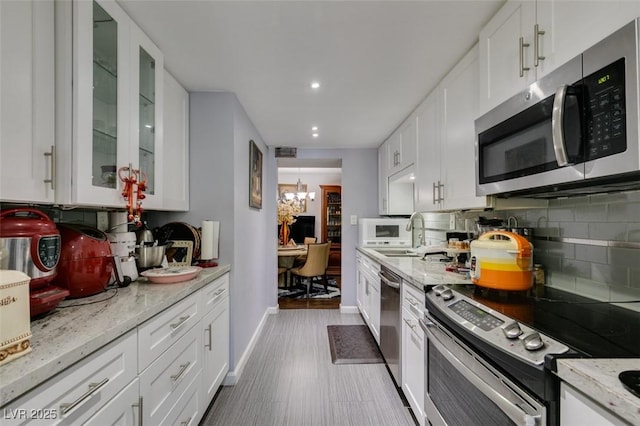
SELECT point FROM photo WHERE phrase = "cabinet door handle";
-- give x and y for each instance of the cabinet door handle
(139, 406)
(410, 324)
(522, 46)
(93, 388)
(183, 368)
(210, 340)
(52, 160)
(536, 45)
(186, 422)
(180, 322)
(440, 192)
(435, 200)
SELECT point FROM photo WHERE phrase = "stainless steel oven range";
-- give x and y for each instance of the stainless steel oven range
(491, 355)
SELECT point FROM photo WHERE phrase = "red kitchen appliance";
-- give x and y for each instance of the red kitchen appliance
(86, 262)
(30, 243)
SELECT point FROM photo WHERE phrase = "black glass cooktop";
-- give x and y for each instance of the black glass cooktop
(595, 329)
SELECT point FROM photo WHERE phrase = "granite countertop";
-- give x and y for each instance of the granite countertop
(598, 379)
(70, 333)
(416, 271)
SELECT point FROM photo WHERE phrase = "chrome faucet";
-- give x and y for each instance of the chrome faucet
(410, 226)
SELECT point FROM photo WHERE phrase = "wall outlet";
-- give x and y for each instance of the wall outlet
(102, 221)
(452, 221)
(354, 219)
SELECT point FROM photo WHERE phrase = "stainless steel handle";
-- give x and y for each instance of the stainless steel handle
(536, 45)
(435, 200)
(139, 405)
(52, 160)
(210, 341)
(180, 322)
(511, 410)
(93, 388)
(557, 128)
(388, 282)
(522, 67)
(186, 422)
(183, 368)
(410, 324)
(416, 310)
(440, 192)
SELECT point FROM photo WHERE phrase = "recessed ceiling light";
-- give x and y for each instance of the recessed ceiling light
(315, 85)
(314, 129)
(315, 135)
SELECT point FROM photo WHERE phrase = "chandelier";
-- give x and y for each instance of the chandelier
(300, 195)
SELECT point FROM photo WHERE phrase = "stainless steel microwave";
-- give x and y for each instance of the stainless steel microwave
(574, 131)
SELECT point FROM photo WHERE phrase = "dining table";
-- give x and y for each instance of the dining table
(287, 256)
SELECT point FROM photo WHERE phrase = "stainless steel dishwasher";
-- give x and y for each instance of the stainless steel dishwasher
(391, 321)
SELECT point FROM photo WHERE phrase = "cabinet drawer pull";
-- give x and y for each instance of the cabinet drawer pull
(522, 67)
(139, 406)
(183, 368)
(435, 199)
(440, 192)
(410, 324)
(52, 159)
(93, 388)
(179, 323)
(210, 339)
(186, 422)
(536, 45)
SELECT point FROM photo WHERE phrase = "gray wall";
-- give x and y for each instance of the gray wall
(220, 131)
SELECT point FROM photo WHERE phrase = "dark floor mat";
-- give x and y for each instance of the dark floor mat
(353, 344)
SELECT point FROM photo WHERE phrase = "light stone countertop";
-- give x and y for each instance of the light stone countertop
(66, 335)
(416, 271)
(598, 379)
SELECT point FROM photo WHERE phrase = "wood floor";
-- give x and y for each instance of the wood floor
(290, 380)
(334, 303)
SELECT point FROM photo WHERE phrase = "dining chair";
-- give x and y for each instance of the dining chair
(315, 265)
(283, 270)
(299, 261)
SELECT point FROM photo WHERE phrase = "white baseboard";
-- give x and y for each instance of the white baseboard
(232, 377)
(349, 309)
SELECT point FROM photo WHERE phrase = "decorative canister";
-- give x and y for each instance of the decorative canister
(15, 326)
(501, 260)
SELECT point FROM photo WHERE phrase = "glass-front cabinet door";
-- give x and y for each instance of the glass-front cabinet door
(101, 101)
(116, 81)
(146, 121)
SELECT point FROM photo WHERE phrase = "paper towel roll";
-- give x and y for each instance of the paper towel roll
(210, 237)
(118, 222)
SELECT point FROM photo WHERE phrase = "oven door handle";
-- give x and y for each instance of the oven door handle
(557, 126)
(515, 413)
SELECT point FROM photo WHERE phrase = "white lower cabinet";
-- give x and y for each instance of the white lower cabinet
(214, 328)
(369, 294)
(78, 392)
(166, 379)
(125, 409)
(164, 372)
(413, 347)
(576, 409)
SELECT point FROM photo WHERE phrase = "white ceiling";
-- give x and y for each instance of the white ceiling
(376, 60)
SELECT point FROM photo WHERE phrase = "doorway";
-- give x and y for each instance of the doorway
(314, 185)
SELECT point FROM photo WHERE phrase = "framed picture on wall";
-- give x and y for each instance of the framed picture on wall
(285, 187)
(255, 176)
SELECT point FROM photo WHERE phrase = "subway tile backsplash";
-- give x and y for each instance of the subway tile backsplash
(587, 245)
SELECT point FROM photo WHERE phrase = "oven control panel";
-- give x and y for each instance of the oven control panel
(493, 327)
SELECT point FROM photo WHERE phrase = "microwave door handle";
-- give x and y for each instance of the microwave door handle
(557, 126)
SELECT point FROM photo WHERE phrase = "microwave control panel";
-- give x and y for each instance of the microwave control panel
(606, 126)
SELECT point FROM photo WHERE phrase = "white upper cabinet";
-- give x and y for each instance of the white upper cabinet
(27, 130)
(113, 74)
(428, 183)
(175, 186)
(528, 39)
(396, 159)
(506, 58)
